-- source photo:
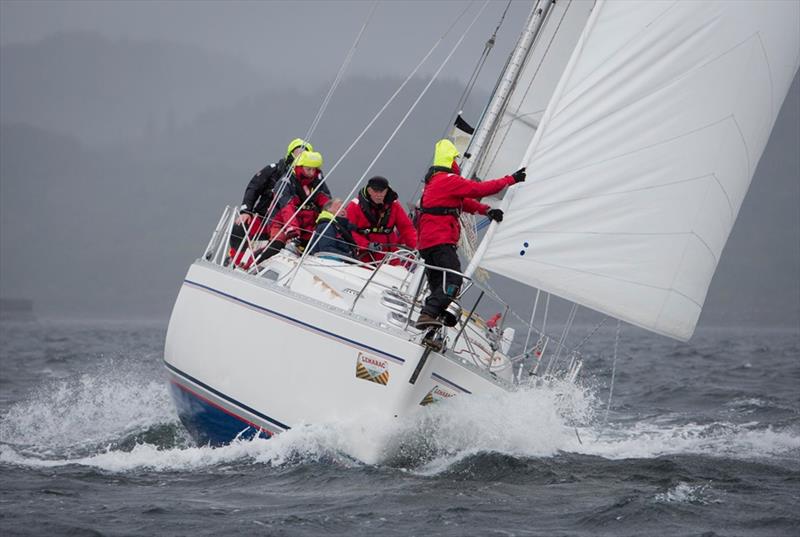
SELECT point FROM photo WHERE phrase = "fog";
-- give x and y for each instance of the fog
(128, 126)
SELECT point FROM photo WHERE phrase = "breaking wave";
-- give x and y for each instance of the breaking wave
(121, 420)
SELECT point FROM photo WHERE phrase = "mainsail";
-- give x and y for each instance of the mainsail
(644, 154)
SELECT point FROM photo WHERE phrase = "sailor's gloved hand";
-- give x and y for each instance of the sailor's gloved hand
(519, 175)
(375, 246)
(243, 219)
(495, 214)
(292, 233)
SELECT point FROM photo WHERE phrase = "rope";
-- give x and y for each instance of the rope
(613, 374)
(314, 123)
(476, 71)
(533, 78)
(567, 326)
(376, 116)
(530, 324)
(590, 334)
(391, 136)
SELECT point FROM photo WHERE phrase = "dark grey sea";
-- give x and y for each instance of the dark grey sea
(701, 439)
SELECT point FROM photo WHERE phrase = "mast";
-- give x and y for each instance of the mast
(505, 86)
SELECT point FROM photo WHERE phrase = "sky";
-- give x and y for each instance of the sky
(295, 48)
(315, 35)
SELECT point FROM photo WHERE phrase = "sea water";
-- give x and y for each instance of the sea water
(699, 439)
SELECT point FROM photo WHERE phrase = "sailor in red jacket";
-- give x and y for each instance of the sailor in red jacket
(445, 197)
(302, 181)
(381, 223)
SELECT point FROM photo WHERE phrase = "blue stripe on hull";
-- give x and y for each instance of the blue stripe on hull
(209, 423)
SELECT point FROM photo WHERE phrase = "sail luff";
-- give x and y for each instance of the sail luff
(506, 84)
(646, 151)
(489, 235)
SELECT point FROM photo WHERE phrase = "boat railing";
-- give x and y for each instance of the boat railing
(412, 288)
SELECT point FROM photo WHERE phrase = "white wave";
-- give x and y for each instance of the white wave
(526, 423)
(685, 493)
(64, 422)
(644, 440)
(301, 445)
(68, 415)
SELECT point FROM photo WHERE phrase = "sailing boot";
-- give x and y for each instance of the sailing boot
(426, 321)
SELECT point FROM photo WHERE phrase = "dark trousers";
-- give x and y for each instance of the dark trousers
(444, 285)
(238, 231)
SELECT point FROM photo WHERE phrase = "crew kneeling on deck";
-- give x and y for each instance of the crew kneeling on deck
(258, 197)
(298, 217)
(381, 224)
(334, 233)
(445, 196)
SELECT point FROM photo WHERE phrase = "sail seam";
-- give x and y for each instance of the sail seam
(627, 233)
(637, 150)
(648, 95)
(662, 87)
(612, 278)
(769, 72)
(643, 189)
(619, 192)
(488, 164)
(624, 45)
(679, 266)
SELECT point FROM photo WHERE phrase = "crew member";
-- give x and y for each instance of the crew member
(257, 199)
(380, 222)
(287, 225)
(445, 197)
(337, 237)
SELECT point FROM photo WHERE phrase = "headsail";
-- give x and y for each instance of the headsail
(644, 155)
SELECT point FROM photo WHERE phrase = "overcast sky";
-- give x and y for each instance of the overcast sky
(316, 34)
(297, 45)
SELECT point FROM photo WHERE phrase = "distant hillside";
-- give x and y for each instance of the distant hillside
(85, 231)
(101, 90)
(102, 231)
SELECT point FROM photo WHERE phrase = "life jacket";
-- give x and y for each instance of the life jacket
(439, 211)
(342, 231)
(378, 222)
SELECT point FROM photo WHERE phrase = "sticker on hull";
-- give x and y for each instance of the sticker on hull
(436, 394)
(372, 369)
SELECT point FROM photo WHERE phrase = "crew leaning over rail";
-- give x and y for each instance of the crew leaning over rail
(305, 177)
(258, 197)
(445, 196)
(381, 222)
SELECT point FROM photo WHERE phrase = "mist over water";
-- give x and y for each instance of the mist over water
(705, 435)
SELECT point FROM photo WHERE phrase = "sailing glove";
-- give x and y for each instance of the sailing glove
(519, 175)
(495, 214)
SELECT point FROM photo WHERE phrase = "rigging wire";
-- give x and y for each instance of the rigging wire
(530, 324)
(476, 71)
(613, 376)
(391, 137)
(377, 115)
(567, 326)
(315, 122)
(534, 77)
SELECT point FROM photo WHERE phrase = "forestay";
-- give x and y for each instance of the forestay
(644, 155)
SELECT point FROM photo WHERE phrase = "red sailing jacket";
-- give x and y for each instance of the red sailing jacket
(449, 190)
(397, 230)
(306, 219)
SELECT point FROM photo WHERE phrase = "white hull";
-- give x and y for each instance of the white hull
(245, 354)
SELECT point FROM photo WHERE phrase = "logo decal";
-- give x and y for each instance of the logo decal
(436, 394)
(372, 369)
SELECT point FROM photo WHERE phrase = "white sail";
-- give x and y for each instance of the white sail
(645, 153)
(535, 85)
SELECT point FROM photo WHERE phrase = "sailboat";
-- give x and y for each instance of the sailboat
(640, 123)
